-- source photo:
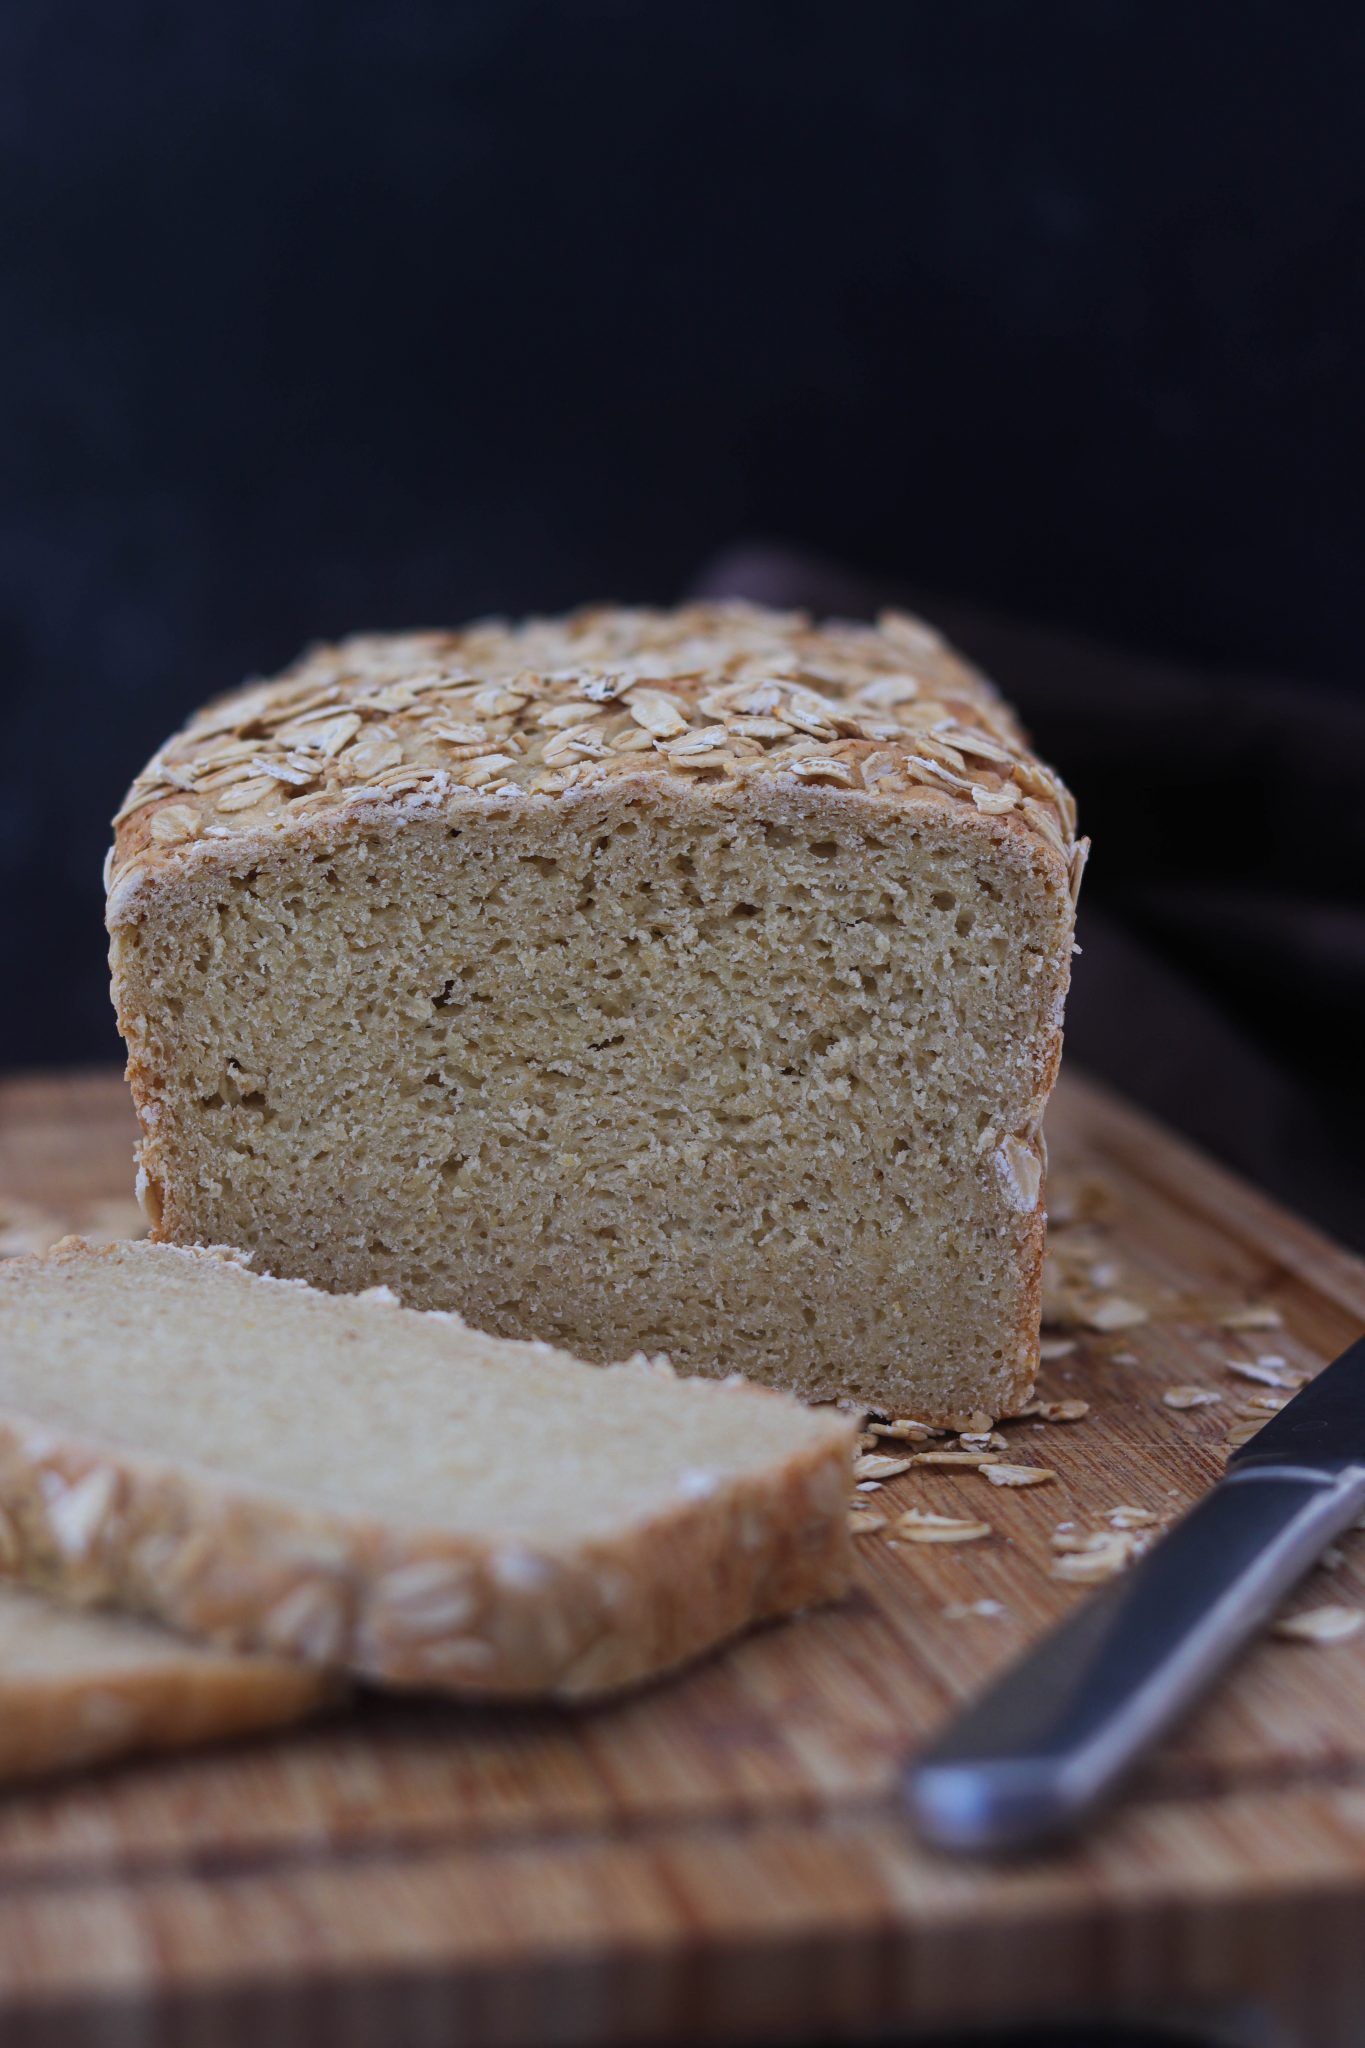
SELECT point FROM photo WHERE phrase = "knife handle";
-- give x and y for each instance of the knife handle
(1057, 1733)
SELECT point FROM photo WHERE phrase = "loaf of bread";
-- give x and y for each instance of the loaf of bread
(357, 1485)
(78, 1688)
(688, 981)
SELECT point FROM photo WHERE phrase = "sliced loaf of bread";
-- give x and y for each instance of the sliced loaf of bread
(365, 1486)
(79, 1688)
(680, 981)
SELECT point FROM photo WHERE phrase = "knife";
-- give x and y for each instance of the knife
(1053, 1738)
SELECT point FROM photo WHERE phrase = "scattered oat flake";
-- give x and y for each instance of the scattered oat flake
(1320, 1624)
(1190, 1397)
(1018, 1475)
(1266, 1404)
(970, 1458)
(1123, 1358)
(865, 1524)
(903, 1430)
(916, 1525)
(972, 1610)
(1061, 1411)
(1255, 1315)
(868, 1486)
(1056, 1347)
(1114, 1312)
(1268, 1374)
(870, 1466)
(1131, 1518)
(1101, 1560)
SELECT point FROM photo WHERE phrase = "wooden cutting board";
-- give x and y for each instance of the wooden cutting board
(724, 1858)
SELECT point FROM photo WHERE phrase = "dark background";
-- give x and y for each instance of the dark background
(321, 315)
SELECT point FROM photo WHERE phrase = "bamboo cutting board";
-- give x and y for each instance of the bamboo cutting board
(724, 1858)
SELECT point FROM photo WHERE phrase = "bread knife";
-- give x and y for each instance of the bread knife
(1048, 1742)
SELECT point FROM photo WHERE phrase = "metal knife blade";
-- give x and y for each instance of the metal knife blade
(1323, 1426)
(1055, 1736)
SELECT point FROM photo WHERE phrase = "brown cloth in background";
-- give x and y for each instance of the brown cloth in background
(1222, 977)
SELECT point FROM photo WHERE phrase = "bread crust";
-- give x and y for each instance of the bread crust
(126, 1692)
(249, 1568)
(704, 701)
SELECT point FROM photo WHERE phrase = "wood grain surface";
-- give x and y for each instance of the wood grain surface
(723, 1858)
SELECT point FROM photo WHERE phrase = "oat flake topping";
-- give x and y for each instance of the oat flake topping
(711, 694)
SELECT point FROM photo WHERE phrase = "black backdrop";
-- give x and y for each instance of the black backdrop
(318, 315)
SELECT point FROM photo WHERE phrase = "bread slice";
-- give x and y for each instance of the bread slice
(360, 1485)
(80, 1688)
(682, 981)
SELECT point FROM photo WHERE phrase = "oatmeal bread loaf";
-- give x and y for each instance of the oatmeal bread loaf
(357, 1485)
(689, 981)
(78, 1688)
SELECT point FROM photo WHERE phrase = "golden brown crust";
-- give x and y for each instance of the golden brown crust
(698, 702)
(254, 1569)
(111, 1698)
